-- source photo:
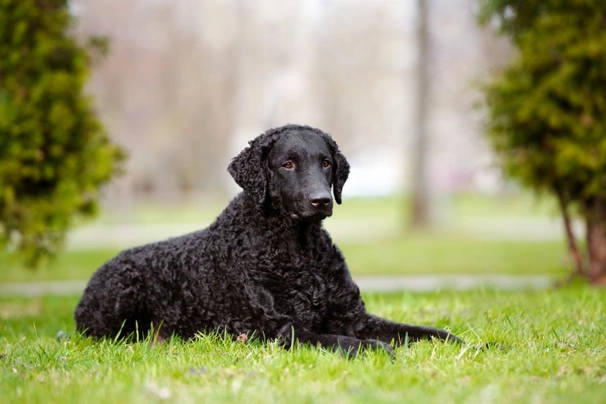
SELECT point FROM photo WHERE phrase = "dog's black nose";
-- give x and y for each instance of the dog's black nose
(320, 200)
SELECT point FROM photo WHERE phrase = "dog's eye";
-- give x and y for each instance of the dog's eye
(326, 164)
(288, 165)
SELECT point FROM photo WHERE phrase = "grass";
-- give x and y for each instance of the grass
(415, 254)
(552, 350)
(370, 234)
(70, 265)
(461, 206)
(551, 344)
(443, 254)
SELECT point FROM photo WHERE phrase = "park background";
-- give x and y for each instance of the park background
(185, 84)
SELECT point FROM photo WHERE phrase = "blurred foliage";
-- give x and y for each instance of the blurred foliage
(547, 110)
(54, 152)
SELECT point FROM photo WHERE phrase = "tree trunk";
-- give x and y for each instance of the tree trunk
(572, 242)
(420, 214)
(595, 213)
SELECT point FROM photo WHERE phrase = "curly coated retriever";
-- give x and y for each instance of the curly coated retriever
(264, 267)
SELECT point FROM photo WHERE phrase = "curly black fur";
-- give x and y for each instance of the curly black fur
(265, 266)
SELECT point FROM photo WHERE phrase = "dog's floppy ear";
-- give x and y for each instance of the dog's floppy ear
(340, 169)
(340, 172)
(248, 170)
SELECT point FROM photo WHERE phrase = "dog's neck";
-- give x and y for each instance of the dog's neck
(280, 224)
(302, 232)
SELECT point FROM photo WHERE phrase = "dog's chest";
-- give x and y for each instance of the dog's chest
(308, 287)
(298, 286)
(304, 296)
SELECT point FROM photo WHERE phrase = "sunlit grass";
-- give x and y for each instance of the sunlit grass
(406, 255)
(548, 346)
(455, 254)
(69, 265)
(371, 233)
(393, 208)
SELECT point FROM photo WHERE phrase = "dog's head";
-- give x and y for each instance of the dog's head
(293, 168)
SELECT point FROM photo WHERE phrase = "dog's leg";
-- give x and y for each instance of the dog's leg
(390, 332)
(349, 346)
(113, 304)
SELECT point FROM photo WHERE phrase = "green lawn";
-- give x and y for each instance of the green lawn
(414, 254)
(443, 254)
(552, 342)
(459, 206)
(479, 236)
(553, 350)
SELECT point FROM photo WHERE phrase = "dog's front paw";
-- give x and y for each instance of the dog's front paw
(380, 345)
(350, 347)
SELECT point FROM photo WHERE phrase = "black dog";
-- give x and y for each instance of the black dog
(265, 267)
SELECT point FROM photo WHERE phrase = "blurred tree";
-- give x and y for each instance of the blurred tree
(420, 215)
(54, 153)
(547, 111)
